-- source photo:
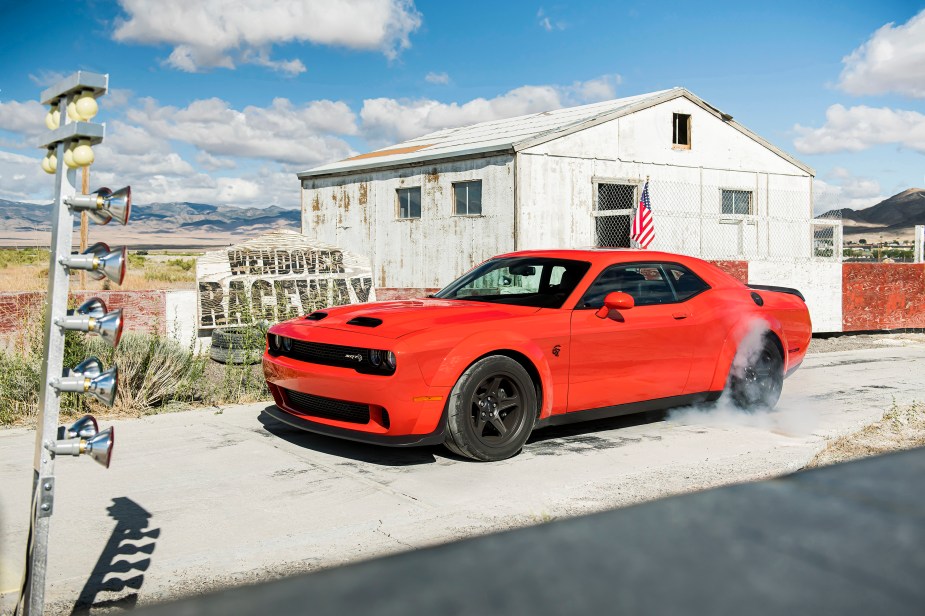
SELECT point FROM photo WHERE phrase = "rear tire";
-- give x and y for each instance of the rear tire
(756, 382)
(491, 410)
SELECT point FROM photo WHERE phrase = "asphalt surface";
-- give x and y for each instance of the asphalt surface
(205, 499)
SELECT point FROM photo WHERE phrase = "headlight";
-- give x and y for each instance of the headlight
(287, 344)
(389, 359)
(273, 339)
(375, 358)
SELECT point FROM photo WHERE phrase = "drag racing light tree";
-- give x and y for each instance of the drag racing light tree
(72, 104)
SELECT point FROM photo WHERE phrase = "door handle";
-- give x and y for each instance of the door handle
(680, 315)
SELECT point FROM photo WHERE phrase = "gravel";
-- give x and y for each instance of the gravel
(853, 342)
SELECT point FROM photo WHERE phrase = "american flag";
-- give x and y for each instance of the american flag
(643, 231)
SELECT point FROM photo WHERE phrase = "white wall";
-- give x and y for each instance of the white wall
(555, 182)
(819, 282)
(359, 213)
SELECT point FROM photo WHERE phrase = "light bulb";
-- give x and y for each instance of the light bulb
(50, 122)
(83, 154)
(86, 106)
(69, 157)
(72, 110)
(49, 163)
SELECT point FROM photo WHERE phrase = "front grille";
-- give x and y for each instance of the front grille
(327, 408)
(328, 354)
(357, 358)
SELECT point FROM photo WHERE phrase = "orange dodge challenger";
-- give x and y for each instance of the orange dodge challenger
(532, 339)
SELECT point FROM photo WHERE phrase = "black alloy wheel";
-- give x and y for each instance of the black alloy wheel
(491, 410)
(757, 385)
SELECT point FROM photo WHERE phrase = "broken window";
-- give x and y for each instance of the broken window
(681, 123)
(737, 202)
(468, 197)
(409, 202)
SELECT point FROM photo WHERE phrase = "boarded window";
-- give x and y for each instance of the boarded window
(468, 196)
(737, 202)
(409, 202)
(681, 128)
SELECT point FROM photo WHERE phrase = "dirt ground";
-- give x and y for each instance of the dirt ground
(852, 342)
(900, 428)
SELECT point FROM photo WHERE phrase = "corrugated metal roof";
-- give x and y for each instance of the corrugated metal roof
(512, 134)
(490, 136)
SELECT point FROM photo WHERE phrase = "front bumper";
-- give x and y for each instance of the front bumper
(411, 440)
(403, 409)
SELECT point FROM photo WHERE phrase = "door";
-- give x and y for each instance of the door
(642, 353)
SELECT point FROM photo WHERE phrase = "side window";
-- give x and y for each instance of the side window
(686, 283)
(645, 283)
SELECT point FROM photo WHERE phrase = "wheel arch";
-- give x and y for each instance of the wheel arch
(522, 350)
(773, 331)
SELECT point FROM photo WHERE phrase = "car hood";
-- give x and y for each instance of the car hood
(399, 318)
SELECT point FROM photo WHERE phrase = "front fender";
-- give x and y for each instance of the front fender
(480, 344)
(748, 327)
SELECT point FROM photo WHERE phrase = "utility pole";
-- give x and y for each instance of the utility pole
(68, 145)
(84, 222)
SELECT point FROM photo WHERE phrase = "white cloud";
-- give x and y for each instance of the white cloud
(844, 190)
(22, 179)
(389, 120)
(282, 132)
(24, 118)
(214, 163)
(437, 78)
(857, 128)
(210, 33)
(547, 23)
(44, 78)
(892, 60)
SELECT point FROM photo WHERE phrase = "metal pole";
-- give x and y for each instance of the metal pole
(84, 222)
(52, 366)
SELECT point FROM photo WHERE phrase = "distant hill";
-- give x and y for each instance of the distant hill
(159, 218)
(897, 215)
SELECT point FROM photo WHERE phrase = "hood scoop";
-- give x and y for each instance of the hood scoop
(316, 316)
(365, 322)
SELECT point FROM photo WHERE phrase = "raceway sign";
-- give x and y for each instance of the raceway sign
(276, 277)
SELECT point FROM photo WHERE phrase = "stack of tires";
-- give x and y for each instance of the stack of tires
(238, 346)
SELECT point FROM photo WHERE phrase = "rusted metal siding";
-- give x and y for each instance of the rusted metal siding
(359, 213)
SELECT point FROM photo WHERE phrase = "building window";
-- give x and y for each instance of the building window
(409, 202)
(737, 202)
(681, 136)
(468, 197)
(612, 211)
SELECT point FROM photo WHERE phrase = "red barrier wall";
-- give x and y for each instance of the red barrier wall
(144, 311)
(882, 296)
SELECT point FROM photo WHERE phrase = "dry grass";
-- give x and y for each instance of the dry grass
(27, 270)
(900, 428)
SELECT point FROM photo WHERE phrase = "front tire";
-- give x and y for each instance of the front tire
(756, 381)
(491, 410)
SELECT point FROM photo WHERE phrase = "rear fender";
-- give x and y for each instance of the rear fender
(750, 327)
(481, 344)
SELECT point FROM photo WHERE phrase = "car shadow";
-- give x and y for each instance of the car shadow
(597, 425)
(360, 452)
(571, 438)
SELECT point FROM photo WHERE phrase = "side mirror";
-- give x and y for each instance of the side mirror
(619, 301)
(614, 302)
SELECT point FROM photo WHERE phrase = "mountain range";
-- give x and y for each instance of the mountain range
(164, 218)
(896, 216)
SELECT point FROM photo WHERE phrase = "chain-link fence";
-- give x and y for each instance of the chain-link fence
(720, 222)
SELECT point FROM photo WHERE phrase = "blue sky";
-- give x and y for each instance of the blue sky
(224, 106)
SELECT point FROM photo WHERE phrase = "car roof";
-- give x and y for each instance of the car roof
(601, 257)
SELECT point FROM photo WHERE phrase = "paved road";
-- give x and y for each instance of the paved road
(206, 498)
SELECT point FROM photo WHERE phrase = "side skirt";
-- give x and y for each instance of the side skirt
(658, 404)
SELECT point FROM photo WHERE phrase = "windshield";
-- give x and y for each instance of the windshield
(523, 281)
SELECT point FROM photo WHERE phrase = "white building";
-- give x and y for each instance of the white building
(428, 209)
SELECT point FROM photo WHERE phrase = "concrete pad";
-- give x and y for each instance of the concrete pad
(204, 498)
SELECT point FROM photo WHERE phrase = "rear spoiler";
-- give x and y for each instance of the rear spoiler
(764, 287)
